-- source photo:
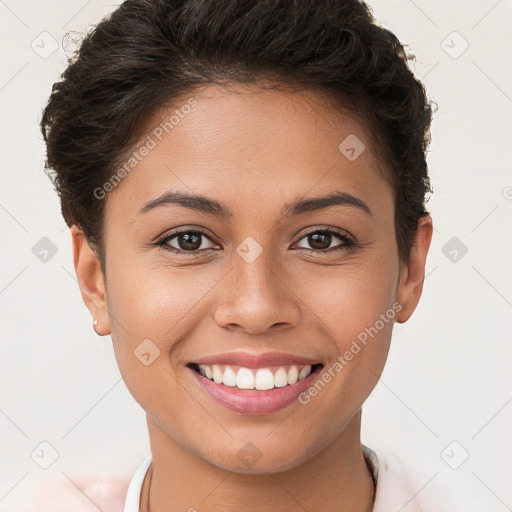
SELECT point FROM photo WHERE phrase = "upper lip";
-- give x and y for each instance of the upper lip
(251, 360)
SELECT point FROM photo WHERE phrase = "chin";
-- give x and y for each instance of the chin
(250, 460)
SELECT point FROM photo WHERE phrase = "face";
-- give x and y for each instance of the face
(253, 272)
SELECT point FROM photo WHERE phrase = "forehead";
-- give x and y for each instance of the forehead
(241, 144)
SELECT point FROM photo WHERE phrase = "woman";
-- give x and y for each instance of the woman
(245, 183)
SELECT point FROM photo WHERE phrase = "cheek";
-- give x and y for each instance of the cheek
(156, 302)
(355, 308)
(350, 298)
(150, 313)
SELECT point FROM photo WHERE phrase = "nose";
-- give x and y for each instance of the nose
(255, 297)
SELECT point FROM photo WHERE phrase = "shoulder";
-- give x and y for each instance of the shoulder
(86, 493)
(412, 487)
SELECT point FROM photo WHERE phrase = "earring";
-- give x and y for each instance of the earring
(95, 323)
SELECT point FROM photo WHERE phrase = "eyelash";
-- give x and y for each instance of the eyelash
(347, 242)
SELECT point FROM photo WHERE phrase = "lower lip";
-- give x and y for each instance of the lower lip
(251, 401)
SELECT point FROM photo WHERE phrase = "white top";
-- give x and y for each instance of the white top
(133, 495)
(419, 487)
(394, 490)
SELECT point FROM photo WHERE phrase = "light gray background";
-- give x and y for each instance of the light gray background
(448, 373)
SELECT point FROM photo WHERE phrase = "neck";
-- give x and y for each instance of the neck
(336, 478)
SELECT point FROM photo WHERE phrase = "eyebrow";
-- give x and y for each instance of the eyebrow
(206, 205)
(336, 198)
(194, 202)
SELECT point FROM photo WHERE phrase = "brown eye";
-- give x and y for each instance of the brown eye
(321, 240)
(191, 241)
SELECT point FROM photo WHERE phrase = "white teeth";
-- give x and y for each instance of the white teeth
(280, 378)
(244, 378)
(293, 375)
(262, 379)
(305, 372)
(217, 374)
(230, 378)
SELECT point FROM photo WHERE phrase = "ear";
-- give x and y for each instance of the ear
(90, 280)
(412, 275)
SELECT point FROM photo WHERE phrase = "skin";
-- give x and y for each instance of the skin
(255, 151)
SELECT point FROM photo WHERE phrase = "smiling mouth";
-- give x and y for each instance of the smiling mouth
(261, 379)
